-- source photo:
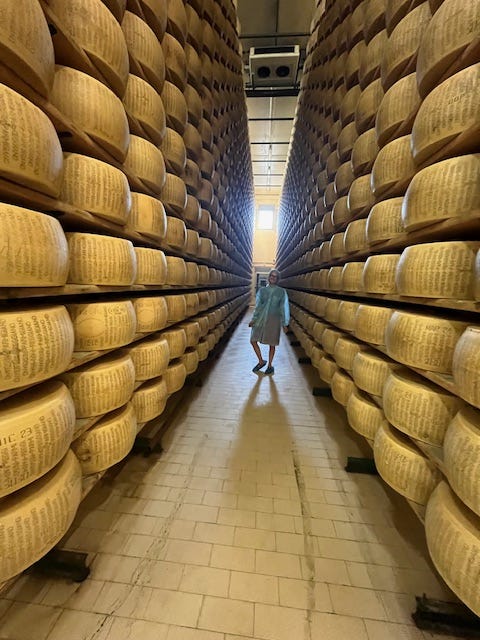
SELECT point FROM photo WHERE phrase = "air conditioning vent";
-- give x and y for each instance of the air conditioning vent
(274, 66)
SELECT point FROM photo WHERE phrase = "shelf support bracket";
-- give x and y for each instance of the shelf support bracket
(449, 618)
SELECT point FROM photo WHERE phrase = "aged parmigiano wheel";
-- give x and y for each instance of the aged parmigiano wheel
(191, 329)
(176, 108)
(332, 309)
(371, 323)
(103, 325)
(385, 220)
(155, 12)
(356, 236)
(99, 387)
(352, 276)
(360, 197)
(37, 344)
(151, 313)
(379, 273)
(143, 104)
(174, 194)
(35, 518)
(343, 179)
(146, 53)
(193, 303)
(176, 271)
(397, 110)
(177, 342)
(35, 250)
(364, 152)
(147, 216)
(342, 387)
(94, 29)
(177, 19)
(193, 144)
(95, 186)
(393, 168)
(335, 275)
(400, 55)
(364, 416)
(108, 441)
(453, 539)
(175, 61)
(150, 399)
(193, 274)
(116, 7)
(192, 243)
(190, 360)
(177, 308)
(346, 349)
(418, 408)
(92, 107)
(26, 45)
(371, 370)
(202, 350)
(329, 339)
(31, 152)
(336, 246)
(194, 105)
(174, 152)
(367, 106)
(438, 270)
(395, 10)
(346, 140)
(466, 366)
(145, 161)
(151, 266)
(40, 420)
(372, 58)
(346, 315)
(340, 213)
(450, 42)
(317, 331)
(449, 115)
(100, 260)
(150, 357)
(403, 466)
(176, 235)
(461, 449)
(425, 342)
(447, 189)
(175, 376)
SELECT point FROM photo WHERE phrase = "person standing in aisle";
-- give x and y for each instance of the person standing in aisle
(272, 312)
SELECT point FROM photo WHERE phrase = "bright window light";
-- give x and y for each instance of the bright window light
(265, 217)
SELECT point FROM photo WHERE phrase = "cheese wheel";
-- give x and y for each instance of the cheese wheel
(342, 387)
(336, 246)
(356, 237)
(349, 104)
(150, 399)
(401, 50)
(346, 315)
(146, 54)
(99, 387)
(193, 304)
(352, 276)
(108, 442)
(174, 152)
(343, 179)
(150, 357)
(193, 144)
(453, 541)
(448, 189)
(36, 344)
(175, 376)
(346, 349)
(151, 266)
(385, 221)
(346, 140)
(372, 59)
(176, 271)
(465, 366)
(449, 114)
(147, 216)
(31, 152)
(175, 61)
(176, 108)
(340, 213)
(174, 194)
(35, 518)
(425, 342)
(176, 235)
(194, 105)
(367, 106)
(329, 339)
(364, 152)
(193, 240)
(93, 108)
(202, 350)
(192, 328)
(332, 310)
(116, 7)
(26, 45)
(177, 19)
(393, 168)
(352, 64)
(318, 329)
(36, 431)
(34, 251)
(145, 161)
(145, 107)
(379, 273)
(176, 308)
(155, 12)
(402, 466)
(461, 450)
(418, 408)
(438, 270)
(95, 186)
(100, 260)
(364, 416)
(397, 9)
(335, 275)
(374, 18)
(190, 361)
(327, 368)
(371, 371)
(360, 196)
(151, 313)
(102, 325)
(177, 342)
(193, 274)
(94, 29)
(397, 110)
(448, 41)
(371, 323)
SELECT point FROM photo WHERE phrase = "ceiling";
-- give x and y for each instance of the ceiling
(270, 23)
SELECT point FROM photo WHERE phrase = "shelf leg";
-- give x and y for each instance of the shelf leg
(304, 360)
(449, 618)
(295, 343)
(322, 392)
(361, 465)
(60, 563)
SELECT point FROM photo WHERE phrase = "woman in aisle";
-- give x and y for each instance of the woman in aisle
(271, 313)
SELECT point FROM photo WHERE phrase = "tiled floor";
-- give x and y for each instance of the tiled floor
(247, 526)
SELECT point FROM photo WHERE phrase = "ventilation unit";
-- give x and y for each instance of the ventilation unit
(274, 66)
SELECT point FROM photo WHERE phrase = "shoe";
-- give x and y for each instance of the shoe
(259, 366)
(269, 371)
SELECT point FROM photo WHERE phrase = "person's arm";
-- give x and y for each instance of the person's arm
(286, 311)
(256, 311)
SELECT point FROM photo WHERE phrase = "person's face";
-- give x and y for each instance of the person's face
(272, 278)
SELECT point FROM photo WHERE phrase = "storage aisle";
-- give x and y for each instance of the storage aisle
(247, 526)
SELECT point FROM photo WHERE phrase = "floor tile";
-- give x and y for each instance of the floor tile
(228, 616)
(279, 623)
(254, 587)
(28, 621)
(205, 580)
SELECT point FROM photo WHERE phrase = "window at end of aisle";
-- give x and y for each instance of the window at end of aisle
(265, 217)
